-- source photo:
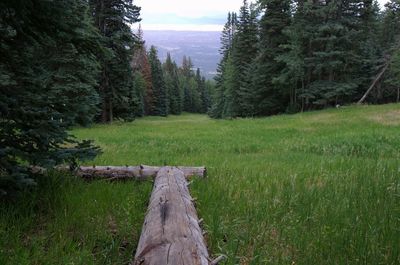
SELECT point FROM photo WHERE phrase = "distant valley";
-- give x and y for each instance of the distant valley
(201, 46)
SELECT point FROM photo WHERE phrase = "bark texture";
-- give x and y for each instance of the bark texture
(125, 173)
(171, 233)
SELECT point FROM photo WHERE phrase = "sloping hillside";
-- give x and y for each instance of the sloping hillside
(313, 188)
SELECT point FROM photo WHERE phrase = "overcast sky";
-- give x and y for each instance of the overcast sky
(188, 14)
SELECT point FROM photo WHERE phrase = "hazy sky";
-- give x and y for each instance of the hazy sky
(188, 14)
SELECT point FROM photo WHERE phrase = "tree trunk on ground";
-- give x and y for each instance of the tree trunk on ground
(171, 233)
(124, 173)
(136, 172)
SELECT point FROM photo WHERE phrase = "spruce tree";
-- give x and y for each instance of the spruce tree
(244, 51)
(139, 83)
(140, 63)
(48, 77)
(113, 19)
(269, 97)
(159, 89)
(172, 86)
(227, 37)
(230, 89)
(390, 37)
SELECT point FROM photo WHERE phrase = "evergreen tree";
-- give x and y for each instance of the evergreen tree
(227, 38)
(267, 96)
(394, 75)
(244, 50)
(188, 84)
(204, 96)
(229, 82)
(140, 62)
(172, 86)
(47, 81)
(333, 52)
(113, 19)
(139, 83)
(159, 89)
(390, 89)
(210, 90)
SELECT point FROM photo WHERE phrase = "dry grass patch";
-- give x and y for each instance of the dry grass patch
(387, 118)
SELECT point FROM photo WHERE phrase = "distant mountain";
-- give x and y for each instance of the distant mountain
(202, 47)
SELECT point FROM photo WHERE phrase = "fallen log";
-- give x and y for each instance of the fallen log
(171, 233)
(141, 172)
(378, 77)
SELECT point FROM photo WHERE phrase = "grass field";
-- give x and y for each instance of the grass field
(313, 188)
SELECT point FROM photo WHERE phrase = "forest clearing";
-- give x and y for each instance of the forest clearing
(313, 188)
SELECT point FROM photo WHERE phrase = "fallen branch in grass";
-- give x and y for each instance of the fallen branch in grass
(218, 260)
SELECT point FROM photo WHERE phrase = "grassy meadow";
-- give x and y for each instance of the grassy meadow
(313, 188)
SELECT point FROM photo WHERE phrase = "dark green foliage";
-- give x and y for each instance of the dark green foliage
(268, 95)
(159, 88)
(48, 78)
(305, 55)
(171, 89)
(139, 83)
(389, 89)
(113, 19)
(227, 37)
(140, 63)
(172, 85)
(245, 50)
(204, 98)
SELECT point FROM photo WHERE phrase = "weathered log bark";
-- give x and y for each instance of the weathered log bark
(171, 233)
(125, 173)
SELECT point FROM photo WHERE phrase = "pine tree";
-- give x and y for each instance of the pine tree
(229, 82)
(188, 84)
(244, 51)
(160, 92)
(390, 89)
(204, 96)
(140, 62)
(139, 83)
(246, 43)
(113, 19)
(172, 86)
(269, 97)
(227, 38)
(47, 82)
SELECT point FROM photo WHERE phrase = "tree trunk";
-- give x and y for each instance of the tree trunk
(378, 77)
(136, 172)
(110, 111)
(141, 172)
(398, 94)
(171, 233)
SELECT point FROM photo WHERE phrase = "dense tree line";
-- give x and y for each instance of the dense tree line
(167, 88)
(75, 62)
(294, 55)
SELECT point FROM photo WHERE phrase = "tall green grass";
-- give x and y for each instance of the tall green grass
(313, 188)
(68, 221)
